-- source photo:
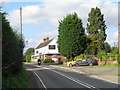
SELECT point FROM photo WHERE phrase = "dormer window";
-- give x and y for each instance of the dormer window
(51, 46)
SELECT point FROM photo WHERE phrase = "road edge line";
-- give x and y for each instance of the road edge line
(40, 80)
(92, 76)
(73, 79)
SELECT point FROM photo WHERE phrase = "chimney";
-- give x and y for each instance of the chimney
(45, 39)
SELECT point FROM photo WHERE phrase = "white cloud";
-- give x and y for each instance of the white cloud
(112, 38)
(55, 10)
(51, 34)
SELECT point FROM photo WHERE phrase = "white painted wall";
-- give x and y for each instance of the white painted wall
(46, 50)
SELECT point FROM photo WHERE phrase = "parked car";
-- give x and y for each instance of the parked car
(71, 63)
(87, 61)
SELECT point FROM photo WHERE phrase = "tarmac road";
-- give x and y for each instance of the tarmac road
(47, 77)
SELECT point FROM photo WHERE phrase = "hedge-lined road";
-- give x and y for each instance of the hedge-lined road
(45, 76)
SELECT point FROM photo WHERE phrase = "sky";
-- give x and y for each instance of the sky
(40, 17)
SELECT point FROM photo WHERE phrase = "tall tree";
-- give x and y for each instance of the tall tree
(71, 38)
(29, 51)
(96, 31)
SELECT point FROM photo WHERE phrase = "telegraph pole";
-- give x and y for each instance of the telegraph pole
(20, 23)
(119, 37)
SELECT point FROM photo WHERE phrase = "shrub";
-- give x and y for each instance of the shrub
(79, 57)
(111, 57)
(114, 50)
(42, 59)
(100, 54)
(117, 58)
(48, 61)
(105, 58)
(20, 80)
(28, 58)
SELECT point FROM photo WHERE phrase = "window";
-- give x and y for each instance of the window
(51, 46)
(36, 52)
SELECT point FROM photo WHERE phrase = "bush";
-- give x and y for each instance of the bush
(100, 54)
(48, 61)
(42, 59)
(117, 58)
(114, 50)
(28, 58)
(79, 57)
(105, 58)
(20, 80)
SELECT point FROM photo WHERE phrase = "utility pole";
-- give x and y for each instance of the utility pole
(20, 23)
(119, 37)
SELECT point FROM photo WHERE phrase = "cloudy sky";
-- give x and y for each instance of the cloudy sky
(40, 17)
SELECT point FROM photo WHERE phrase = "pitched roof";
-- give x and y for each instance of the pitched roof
(43, 44)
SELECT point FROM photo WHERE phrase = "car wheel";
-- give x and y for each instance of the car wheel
(90, 64)
(70, 65)
(77, 65)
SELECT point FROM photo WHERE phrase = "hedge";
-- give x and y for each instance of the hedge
(12, 50)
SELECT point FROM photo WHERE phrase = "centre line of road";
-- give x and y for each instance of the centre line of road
(40, 80)
(75, 80)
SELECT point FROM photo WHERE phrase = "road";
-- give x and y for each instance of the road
(51, 77)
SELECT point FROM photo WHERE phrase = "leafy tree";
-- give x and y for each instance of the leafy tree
(96, 31)
(114, 50)
(29, 51)
(71, 39)
(107, 47)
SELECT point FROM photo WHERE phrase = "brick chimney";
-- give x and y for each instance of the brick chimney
(45, 39)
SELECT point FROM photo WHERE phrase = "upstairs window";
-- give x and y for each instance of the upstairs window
(51, 46)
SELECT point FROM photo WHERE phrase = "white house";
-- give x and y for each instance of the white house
(47, 49)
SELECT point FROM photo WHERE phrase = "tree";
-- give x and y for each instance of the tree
(28, 54)
(114, 50)
(107, 47)
(29, 51)
(71, 39)
(96, 31)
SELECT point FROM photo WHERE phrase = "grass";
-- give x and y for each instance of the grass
(106, 65)
(19, 81)
(118, 74)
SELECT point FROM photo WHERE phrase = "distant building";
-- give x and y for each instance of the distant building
(48, 49)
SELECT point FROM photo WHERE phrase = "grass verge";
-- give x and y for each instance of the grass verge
(118, 74)
(19, 81)
(106, 65)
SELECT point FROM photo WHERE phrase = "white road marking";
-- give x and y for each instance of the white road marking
(40, 80)
(69, 69)
(75, 80)
(92, 76)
